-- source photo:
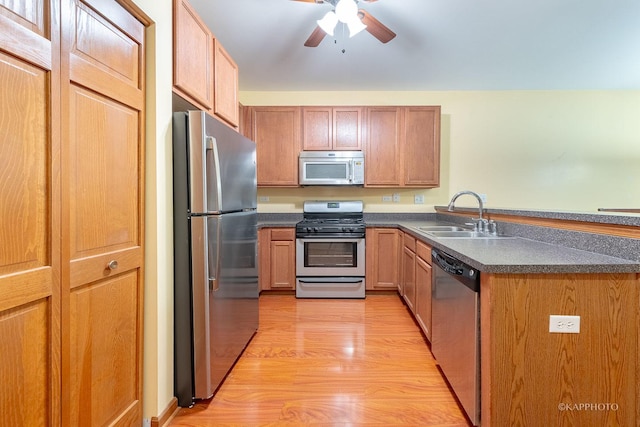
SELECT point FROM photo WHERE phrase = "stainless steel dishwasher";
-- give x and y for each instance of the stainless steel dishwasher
(456, 328)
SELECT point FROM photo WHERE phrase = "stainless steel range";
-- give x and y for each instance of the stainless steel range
(330, 250)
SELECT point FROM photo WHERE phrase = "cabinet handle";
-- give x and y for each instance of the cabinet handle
(112, 265)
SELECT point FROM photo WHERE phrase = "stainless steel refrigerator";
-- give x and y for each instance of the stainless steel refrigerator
(215, 252)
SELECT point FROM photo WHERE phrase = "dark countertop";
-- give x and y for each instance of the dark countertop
(519, 254)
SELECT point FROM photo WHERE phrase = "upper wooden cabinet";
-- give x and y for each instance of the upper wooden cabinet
(402, 146)
(203, 72)
(225, 85)
(192, 56)
(332, 128)
(382, 147)
(276, 132)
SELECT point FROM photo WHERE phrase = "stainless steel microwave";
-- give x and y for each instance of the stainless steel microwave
(331, 168)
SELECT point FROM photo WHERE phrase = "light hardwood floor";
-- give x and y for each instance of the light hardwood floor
(331, 363)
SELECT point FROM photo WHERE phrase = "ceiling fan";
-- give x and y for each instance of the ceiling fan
(347, 12)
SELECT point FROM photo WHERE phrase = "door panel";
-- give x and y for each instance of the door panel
(25, 371)
(105, 331)
(28, 13)
(104, 158)
(104, 213)
(30, 265)
(24, 146)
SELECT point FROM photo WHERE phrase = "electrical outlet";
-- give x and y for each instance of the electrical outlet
(263, 198)
(418, 199)
(564, 324)
(386, 198)
(396, 197)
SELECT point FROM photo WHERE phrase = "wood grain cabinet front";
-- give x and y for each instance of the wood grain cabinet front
(423, 288)
(203, 71)
(332, 128)
(409, 272)
(276, 132)
(277, 258)
(402, 146)
(192, 56)
(382, 258)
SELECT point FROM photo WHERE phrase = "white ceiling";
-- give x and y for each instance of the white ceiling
(440, 45)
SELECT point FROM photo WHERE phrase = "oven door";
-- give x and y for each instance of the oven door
(317, 256)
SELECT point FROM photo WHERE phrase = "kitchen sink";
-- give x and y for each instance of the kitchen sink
(463, 234)
(431, 228)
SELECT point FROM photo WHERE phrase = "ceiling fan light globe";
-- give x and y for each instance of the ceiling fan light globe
(346, 10)
(355, 25)
(328, 22)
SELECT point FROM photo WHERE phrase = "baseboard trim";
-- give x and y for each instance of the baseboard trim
(167, 415)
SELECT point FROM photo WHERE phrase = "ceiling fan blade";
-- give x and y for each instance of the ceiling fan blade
(375, 27)
(315, 38)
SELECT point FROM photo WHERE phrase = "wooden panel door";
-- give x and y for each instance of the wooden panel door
(409, 277)
(347, 132)
(317, 128)
(382, 258)
(276, 131)
(382, 154)
(225, 91)
(192, 56)
(421, 148)
(103, 214)
(423, 296)
(30, 260)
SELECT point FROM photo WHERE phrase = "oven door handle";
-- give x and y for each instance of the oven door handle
(330, 279)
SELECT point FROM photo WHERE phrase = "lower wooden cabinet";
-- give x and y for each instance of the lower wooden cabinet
(382, 258)
(277, 258)
(409, 271)
(423, 288)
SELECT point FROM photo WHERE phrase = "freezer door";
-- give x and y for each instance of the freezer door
(226, 302)
(222, 167)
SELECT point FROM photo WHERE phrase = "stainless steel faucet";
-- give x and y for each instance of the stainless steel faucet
(482, 224)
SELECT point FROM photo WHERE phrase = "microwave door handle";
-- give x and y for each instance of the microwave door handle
(351, 171)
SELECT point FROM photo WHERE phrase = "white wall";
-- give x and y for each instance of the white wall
(554, 150)
(158, 293)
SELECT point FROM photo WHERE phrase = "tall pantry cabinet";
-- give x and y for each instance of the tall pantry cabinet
(71, 212)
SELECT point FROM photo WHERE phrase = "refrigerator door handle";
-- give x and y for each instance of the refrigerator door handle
(212, 189)
(213, 261)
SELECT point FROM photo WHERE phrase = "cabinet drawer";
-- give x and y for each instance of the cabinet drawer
(283, 234)
(423, 251)
(409, 242)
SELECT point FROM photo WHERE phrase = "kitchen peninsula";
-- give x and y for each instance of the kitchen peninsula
(586, 265)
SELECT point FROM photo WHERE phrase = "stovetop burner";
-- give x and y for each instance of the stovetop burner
(332, 219)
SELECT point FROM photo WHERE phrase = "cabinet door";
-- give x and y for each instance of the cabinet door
(409, 278)
(421, 147)
(30, 203)
(104, 214)
(347, 123)
(423, 296)
(192, 56)
(283, 264)
(382, 258)
(264, 258)
(276, 131)
(225, 91)
(382, 155)
(317, 128)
